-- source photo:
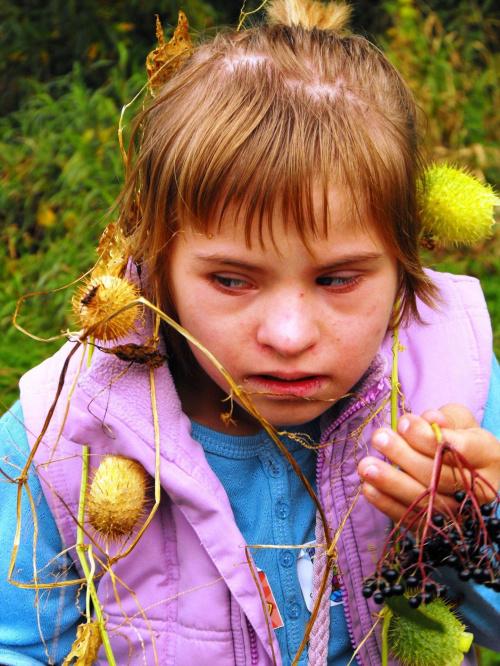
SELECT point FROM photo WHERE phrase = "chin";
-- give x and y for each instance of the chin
(292, 414)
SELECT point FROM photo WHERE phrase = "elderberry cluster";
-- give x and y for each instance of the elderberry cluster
(468, 541)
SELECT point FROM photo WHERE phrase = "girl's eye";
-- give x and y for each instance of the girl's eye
(229, 282)
(337, 282)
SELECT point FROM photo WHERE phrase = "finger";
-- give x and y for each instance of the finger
(396, 511)
(439, 417)
(454, 416)
(480, 448)
(419, 433)
(384, 503)
(390, 481)
(418, 466)
(400, 486)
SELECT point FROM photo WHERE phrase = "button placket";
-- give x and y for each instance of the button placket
(276, 471)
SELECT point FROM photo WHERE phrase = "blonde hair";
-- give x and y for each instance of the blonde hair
(264, 115)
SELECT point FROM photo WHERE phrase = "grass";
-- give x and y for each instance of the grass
(62, 172)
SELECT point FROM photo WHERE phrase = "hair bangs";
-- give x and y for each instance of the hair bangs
(262, 153)
(297, 150)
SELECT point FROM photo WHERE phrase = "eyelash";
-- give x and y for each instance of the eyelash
(341, 284)
(222, 281)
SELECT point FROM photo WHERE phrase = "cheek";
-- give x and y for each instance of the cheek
(382, 306)
(216, 334)
(362, 335)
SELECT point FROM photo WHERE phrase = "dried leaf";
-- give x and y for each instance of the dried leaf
(227, 419)
(167, 58)
(137, 354)
(112, 259)
(86, 646)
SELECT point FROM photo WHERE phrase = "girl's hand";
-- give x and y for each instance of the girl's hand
(392, 490)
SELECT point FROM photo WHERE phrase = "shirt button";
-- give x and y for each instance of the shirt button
(286, 558)
(282, 509)
(293, 611)
(274, 469)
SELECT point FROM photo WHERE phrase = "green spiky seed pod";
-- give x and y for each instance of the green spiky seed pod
(431, 634)
(455, 206)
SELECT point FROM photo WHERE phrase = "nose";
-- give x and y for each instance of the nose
(289, 326)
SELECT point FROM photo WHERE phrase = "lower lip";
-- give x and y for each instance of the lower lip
(301, 388)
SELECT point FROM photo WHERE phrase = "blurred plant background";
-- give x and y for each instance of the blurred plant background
(67, 67)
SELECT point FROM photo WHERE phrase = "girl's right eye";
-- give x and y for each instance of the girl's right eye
(229, 282)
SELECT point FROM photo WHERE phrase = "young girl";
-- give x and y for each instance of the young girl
(278, 224)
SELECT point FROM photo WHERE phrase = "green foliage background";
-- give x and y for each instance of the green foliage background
(68, 66)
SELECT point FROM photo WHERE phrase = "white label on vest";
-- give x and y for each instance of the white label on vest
(305, 576)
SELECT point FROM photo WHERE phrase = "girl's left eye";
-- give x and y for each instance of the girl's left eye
(229, 282)
(336, 281)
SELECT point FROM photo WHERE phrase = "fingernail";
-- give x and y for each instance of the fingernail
(380, 439)
(371, 472)
(370, 492)
(403, 425)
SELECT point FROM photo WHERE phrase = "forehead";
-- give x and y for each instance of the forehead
(322, 213)
(334, 226)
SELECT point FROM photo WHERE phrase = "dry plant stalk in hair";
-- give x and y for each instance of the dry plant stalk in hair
(168, 57)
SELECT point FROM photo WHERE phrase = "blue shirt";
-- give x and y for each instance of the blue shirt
(278, 511)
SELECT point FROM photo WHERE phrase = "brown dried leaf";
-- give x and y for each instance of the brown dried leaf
(86, 646)
(167, 58)
(112, 259)
(133, 353)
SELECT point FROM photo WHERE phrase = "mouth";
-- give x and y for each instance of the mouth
(300, 386)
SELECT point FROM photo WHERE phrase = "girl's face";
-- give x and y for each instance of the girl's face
(295, 329)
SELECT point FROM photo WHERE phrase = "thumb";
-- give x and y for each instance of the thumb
(452, 416)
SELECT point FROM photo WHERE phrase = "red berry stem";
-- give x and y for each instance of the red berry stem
(428, 537)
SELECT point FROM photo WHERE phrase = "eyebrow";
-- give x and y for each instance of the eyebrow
(358, 257)
(224, 259)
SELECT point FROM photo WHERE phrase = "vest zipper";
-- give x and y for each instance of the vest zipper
(371, 395)
(253, 644)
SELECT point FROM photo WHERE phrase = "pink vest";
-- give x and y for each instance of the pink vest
(195, 599)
